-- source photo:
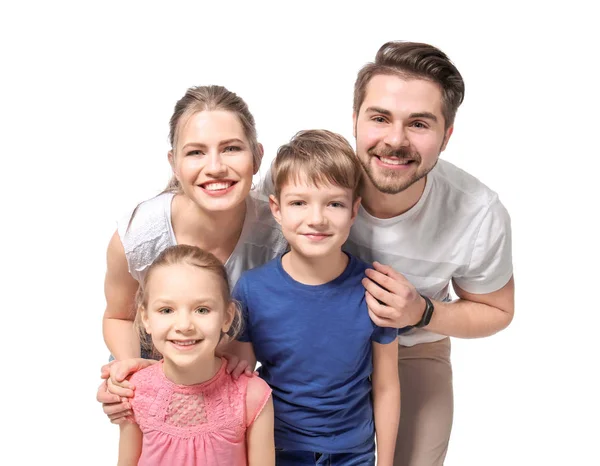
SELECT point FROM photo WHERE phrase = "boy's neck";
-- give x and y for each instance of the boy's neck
(314, 270)
(195, 374)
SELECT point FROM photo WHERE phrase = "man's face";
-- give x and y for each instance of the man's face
(399, 131)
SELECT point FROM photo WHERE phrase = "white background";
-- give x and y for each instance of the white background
(87, 89)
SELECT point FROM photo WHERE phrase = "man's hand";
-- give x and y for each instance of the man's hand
(392, 300)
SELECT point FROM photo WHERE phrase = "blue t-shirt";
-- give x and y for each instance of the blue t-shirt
(314, 344)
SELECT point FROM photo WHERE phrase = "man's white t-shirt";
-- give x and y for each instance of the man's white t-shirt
(458, 230)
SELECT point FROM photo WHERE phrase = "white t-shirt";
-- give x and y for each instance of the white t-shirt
(457, 230)
(151, 232)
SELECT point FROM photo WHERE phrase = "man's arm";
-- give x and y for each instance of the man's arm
(398, 304)
(386, 399)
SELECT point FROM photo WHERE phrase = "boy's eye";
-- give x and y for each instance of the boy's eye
(297, 203)
(336, 204)
(202, 310)
(165, 310)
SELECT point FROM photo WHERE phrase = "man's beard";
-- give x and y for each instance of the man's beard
(389, 181)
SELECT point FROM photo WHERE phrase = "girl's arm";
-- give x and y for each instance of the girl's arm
(260, 441)
(130, 444)
(120, 289)
(386, 400)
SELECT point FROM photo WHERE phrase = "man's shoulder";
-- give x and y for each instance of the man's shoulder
(452, 181)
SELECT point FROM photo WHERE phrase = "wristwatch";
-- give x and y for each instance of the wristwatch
(427, 314)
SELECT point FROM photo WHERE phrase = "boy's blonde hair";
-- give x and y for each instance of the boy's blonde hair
(190, 255)
(317, 156)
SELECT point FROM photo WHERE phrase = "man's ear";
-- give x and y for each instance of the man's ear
(354, 117)
(449, 132)
(275, 209)
(261, 152)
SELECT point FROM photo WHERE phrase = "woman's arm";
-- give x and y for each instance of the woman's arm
(130, 444)
(386, 400)
(120, 289)
(260, 440)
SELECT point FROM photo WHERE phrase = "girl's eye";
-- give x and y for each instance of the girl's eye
(202, 310)
(165, 310)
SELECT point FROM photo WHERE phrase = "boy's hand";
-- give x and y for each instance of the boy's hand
(392, 300)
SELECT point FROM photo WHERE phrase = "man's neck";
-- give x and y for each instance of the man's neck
(314, 270)
(382, 205)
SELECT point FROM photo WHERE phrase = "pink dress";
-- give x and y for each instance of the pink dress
(192, 425)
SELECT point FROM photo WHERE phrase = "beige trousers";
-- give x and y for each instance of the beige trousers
(427, 404)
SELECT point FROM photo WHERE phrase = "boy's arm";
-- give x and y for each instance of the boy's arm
(242, 350)
(130, 444)
(386, 399)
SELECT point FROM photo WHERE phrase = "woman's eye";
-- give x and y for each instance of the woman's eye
(195, 152)
(202, 310)
(232, 149)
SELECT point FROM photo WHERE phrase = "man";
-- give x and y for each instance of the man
(430, 223)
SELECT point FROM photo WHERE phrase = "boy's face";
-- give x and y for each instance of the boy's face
(315, 220)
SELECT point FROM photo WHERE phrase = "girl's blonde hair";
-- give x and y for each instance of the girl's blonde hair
(189, 255)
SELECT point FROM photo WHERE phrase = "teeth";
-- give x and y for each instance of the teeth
(394, 161)
(186, 343)
(216, 186)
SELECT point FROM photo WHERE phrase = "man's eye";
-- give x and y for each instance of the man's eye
(418, 124)
(379, 119)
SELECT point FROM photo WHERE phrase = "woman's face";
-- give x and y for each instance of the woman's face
(212, 160)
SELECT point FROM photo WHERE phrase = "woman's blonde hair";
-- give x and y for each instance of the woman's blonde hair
(317, 156)
(194, 256)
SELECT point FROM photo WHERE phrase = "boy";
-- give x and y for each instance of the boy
(333, 372)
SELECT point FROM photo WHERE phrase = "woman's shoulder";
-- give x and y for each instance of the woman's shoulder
(262, 228)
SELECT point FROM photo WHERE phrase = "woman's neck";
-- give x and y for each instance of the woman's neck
(215, 232)
(314, 270)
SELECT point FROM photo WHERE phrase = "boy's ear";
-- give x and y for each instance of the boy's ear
(355, 207)
(275, 210)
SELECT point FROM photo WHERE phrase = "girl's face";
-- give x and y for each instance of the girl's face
(212, 160)
(186, 314)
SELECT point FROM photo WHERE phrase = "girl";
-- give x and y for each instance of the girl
(214, 154)
(187, 409)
